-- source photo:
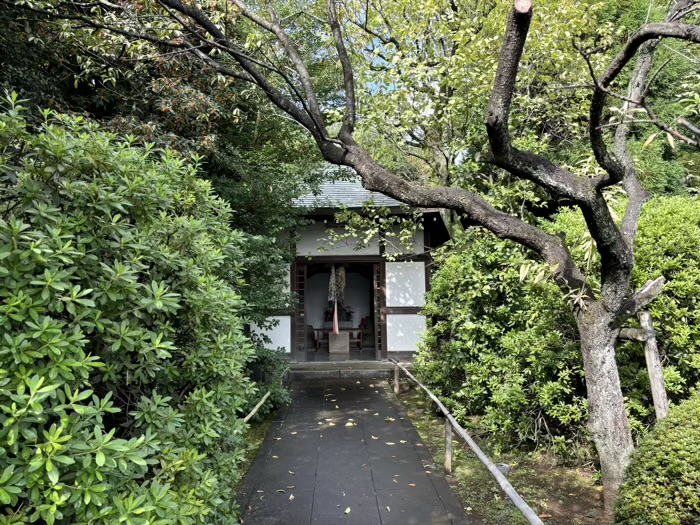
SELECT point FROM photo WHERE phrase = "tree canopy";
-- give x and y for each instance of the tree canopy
(397, 91)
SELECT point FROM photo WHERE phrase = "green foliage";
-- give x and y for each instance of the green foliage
(122, 353)
(501, 346)
(662, 480)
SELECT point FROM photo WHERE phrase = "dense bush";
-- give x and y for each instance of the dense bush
(122, 356)
(662, 483)
(499, 348)
(507, 351)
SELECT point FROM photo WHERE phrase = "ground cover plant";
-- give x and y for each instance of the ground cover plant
(122, 353)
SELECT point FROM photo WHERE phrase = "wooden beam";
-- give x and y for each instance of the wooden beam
(656, 372)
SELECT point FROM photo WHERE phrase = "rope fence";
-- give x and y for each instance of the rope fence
(450, 425)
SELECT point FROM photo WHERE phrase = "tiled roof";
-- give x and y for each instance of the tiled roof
(347, 193)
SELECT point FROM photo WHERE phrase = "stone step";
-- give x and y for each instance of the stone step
(341, 369)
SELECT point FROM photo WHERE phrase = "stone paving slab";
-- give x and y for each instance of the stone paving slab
(345, 444)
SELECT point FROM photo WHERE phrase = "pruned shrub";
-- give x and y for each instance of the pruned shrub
(662, 484)
(122, 355)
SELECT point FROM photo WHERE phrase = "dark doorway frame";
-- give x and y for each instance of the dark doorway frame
(299, 277)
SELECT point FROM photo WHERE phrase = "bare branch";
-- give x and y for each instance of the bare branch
(348, 125)
(689, 125)
(636, 334)
(648, 32)
(668, 129)
(641, 298)
(520, 163)
(274, 26)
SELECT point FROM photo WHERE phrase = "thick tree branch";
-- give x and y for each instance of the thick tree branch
(276, 96)
(274, 26)
(348, 125)
(636, 334)
(523, 164)
(551, 248)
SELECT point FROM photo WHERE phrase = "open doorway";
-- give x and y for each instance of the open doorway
(357, 312)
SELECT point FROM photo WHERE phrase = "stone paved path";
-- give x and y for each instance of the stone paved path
(346, 444)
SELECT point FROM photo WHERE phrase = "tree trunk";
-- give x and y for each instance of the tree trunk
(607, 418)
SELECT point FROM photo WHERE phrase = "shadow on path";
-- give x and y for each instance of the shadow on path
(344, 452)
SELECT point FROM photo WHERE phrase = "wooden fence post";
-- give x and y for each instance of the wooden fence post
(448, 447)
(656, 372)
(397, 389)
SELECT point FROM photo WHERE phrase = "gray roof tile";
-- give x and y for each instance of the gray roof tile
(348, 193)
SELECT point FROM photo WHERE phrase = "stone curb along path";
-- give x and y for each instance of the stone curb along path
(344, 452)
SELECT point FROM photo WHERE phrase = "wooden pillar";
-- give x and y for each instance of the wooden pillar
(448, 447)
(656, 372)
(397, 386)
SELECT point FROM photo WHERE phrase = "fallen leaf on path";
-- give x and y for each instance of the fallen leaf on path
(402, 441)
(347, 511)
(545, 516)
(277, 439)
(411, 484)
(292, 473)
(291, 497)
(349, 424)
(275, 457)
(390, 443)
(390, 419)
(293, 433)
(375, 437)
(388, 509)
(281, 490)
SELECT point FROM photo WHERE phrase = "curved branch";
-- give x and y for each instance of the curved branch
(348, 125)
(521, 163)
(275, 95)
(274, 26)
(648, 32)
(551, 248)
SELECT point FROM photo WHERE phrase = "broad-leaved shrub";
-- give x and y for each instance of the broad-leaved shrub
(501, 344)
(662, 480)
(122, 355)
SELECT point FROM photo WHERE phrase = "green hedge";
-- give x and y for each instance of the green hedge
(122, 355)
(502, 348)
(662, 484)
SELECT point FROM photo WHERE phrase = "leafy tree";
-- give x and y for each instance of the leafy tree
(502, 346)
(122, 351)
(291, 54)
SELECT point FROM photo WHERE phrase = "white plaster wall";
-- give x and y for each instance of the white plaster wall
(404, 331)
(280, 335)
(357, 295)
(395, 247)
(405, 284)
(312, 241)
